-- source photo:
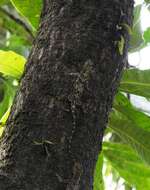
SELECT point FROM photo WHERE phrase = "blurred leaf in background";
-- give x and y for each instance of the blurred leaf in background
(135, 81)
(136, 41)
(147, 35)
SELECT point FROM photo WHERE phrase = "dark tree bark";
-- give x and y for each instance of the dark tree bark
(55, 130)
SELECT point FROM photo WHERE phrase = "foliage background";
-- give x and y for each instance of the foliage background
(125, 159)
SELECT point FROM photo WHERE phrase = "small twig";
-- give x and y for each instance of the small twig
(18, 21)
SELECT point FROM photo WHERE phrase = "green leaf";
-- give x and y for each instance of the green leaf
(136, 82)
(18, 39)
(147, 1)
(9, 93)
(4, 2)
(136, 41)
(127, 28)
(132, 126)
(3, 121)
(98, 176)
(8, 97)
(30, 9)
(122, 150)
(11, 64)
(5, 117)
(146, 35)
(4, 103)
(128, 164)
(123, 105)
(2, 89)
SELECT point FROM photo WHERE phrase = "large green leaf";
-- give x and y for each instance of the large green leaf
(30, 9)
(128, 164)
(122, 105)
(136, 82)
(98, 176)
(132, 126)
(11, 64)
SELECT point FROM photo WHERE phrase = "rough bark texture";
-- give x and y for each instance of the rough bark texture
(54, 133)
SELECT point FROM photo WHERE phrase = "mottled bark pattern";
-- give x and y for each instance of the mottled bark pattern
(54, 134)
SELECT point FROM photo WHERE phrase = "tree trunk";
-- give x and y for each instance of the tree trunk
(55, 130)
